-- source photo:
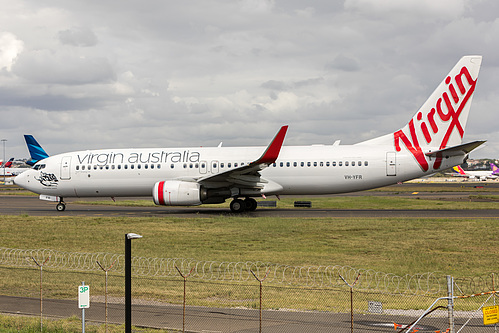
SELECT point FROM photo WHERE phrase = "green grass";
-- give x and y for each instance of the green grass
(460, 247)
(346, 202)
(20, 324)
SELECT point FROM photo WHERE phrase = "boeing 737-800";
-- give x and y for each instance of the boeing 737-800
(431, 141)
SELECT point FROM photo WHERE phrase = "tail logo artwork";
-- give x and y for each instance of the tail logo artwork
(448, 115)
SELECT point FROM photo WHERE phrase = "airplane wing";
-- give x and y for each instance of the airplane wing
(248, 176)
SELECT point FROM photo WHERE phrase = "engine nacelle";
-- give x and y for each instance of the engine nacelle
(177, 193)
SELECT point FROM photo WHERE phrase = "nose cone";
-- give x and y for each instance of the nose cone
(25, 180)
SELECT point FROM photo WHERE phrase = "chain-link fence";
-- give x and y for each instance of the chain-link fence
(209, 296)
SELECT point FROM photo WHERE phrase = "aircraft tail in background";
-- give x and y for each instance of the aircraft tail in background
(495, 169)
(9, 163)
(36, 151)
(459, 170)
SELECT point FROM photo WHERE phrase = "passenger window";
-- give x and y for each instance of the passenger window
(334, 164)
(321, 164)
(77, 167)
(222, 165)
(295, 164)
(107, 167)
(126, 166)
(146, 166)
(132, 166)
(309, 164)
(327, 164)
(119, 166)
(346, 163)
(366, 163)
(353, 163)
(340, 163)
(172, 166)
(281, 164)
(288, 164)
(139, 166)
(315, 164)
(159, 166)
(359, 163)
(302, 164)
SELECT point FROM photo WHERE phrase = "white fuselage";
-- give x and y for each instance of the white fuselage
(298, 170)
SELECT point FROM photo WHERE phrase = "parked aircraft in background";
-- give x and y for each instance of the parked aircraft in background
(8, 171)
(430, 142)
(8, 164)
(477, 174)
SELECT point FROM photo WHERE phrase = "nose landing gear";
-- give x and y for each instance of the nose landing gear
(61, 206)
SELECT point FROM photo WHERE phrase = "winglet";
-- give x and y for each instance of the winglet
(35, 150)
(272, 152)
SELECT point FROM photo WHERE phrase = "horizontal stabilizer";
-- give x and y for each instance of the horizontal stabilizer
(463, 149)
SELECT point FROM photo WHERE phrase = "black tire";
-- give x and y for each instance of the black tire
(60, 207)
(250, 204)
(237, 206)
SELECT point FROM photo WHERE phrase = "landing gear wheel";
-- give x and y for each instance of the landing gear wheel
(250, 204)
(237, 206)
(61, 206)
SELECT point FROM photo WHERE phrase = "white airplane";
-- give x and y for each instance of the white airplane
(431, 141)
(478, 174)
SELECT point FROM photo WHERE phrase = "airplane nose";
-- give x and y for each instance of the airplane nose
(20, 180)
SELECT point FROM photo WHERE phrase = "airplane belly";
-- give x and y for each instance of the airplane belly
(115, 188)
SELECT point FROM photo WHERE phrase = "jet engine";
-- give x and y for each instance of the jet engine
(182, 193)
(176, 193)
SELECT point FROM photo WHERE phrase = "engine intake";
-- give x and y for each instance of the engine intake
(177, 193)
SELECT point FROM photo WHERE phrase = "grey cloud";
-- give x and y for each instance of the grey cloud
(51, 67)
(343, 63)
(78, 37)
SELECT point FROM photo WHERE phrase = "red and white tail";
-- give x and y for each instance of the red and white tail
(441, 121)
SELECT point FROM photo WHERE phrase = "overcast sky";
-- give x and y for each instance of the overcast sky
(108, 74)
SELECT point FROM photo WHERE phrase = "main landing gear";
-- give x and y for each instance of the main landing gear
(239, 205)
(61, 206)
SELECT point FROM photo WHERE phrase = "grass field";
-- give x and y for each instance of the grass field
(460, 247)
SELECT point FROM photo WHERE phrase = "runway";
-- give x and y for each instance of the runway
(31, 205)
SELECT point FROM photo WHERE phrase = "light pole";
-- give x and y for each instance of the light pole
(3, 141)
(128, 280)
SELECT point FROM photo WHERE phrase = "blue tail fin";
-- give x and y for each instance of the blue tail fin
(35, 150)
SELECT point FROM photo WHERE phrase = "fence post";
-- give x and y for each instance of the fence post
(105, 290)
(351, 298)
(185, 281)
(261, 281)
(450, 302)
(41, 290)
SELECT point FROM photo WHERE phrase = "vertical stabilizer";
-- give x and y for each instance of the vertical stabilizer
(35, 150)
(441, 121)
